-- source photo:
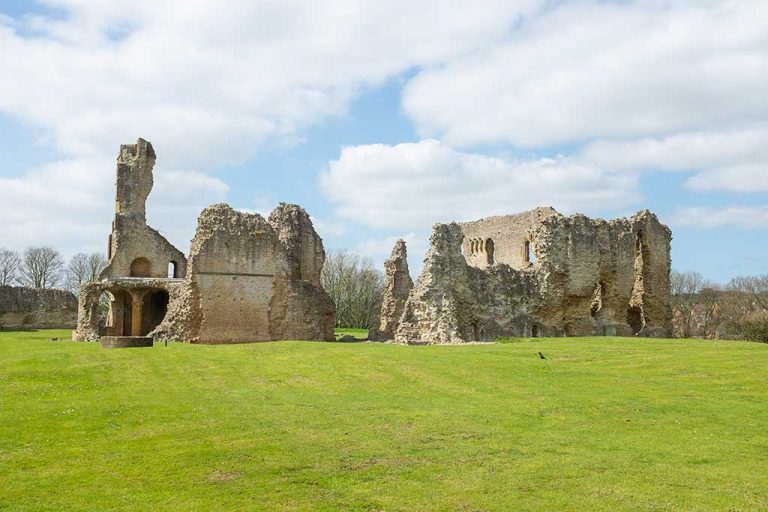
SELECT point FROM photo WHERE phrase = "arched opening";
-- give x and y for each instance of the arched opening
(114, 310)
(635, 319)
(141, 267)
(535, 331)
(102, 310)
(154, 308)
(173, 269)
(489, 251)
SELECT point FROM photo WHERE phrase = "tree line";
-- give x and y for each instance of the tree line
(703, 309)
(45, 268)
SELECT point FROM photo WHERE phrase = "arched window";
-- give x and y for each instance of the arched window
(173, 269)
(141, 267)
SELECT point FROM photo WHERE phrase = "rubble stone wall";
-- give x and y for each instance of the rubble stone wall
(243, 287)
(587, 277)
(248, 279)
(397, 287)
(28, 308)
(132, 239)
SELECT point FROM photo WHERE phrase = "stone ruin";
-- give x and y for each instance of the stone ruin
(533, 274)
(28, 308)
(247, 278)
(398, 286)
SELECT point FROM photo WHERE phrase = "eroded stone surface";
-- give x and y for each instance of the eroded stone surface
(247, 279)
(134, 248)
(27, 308)
(541, 274)
(397, 287)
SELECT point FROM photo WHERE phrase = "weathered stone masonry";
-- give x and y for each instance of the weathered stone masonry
(246, 279)
(27, 308)
(539, 273)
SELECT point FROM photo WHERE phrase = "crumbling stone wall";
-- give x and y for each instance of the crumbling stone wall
(121, 296)
(248, 279)
(134, 248)
(242, 284)
(28, 308)
(549, 275)
(397, 287)
(303, 245)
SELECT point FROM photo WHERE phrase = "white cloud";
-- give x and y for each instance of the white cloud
(736, 178)
(588, 69)
(207, 83)
(416, 184)
(683, 151)
(379, 249)
(69, 204)
(734, 161)
(746, 217)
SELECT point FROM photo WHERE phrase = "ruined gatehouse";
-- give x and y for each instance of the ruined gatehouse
(536, 273)
(247, 278)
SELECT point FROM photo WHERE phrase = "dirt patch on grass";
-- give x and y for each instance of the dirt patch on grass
(224, 476)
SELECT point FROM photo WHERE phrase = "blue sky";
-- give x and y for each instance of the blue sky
(382, 119)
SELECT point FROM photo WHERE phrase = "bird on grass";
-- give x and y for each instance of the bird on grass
(541, 356)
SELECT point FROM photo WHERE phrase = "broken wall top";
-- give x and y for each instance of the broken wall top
(134, 248)
(134, 178)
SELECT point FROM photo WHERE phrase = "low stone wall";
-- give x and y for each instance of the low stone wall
(126, 341)
(27, 308)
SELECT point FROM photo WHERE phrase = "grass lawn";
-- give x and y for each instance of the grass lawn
(601, 424)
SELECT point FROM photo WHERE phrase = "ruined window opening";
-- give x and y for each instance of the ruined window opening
(141, 267)
(635, 319)
(172, 269)
(489, 250)
(530, 255)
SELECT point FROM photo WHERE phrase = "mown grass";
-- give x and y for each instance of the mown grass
(600, 424)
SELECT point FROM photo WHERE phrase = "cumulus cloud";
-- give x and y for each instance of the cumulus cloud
(207, 83)
(379, 249)
(69, 204)
(589, 69)
(416, 184)
(746, 217)
(735, 161)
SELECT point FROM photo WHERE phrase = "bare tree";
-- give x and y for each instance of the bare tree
(710, 311)
(355, 286)
(755, 289)
(747, 308)
(9, 266)
(685, 288)
(41, 267)
(84, 268)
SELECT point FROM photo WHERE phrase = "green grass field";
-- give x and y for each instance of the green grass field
(601, 424)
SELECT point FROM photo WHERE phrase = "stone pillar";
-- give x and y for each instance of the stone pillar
(137, 303)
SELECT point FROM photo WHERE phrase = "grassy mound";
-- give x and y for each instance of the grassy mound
(600, 424)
